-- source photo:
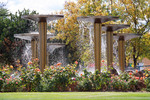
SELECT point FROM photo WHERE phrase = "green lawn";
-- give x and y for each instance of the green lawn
(75, 96)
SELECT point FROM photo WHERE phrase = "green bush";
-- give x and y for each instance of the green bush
(59, 78)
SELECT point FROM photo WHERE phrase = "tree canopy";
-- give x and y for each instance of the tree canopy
(133, 12)
(11, 24)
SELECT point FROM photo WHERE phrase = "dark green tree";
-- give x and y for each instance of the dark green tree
(11, 24)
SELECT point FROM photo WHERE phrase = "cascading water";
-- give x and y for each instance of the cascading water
(57, 54)
(103, 53)
(27, 53)
(91, 66)
(116, 57)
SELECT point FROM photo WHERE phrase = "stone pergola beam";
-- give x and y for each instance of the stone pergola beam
(97, 20)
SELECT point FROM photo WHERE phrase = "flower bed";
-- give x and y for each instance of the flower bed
(59, 78)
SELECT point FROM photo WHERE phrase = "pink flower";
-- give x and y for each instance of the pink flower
(74, 79)
(37, 70)
(76, 62)
(8, 79)
(58, 64)
(0, 78)
(136, 71)
(111, 77)
(7, 82)
(137, 78)
(16, 82)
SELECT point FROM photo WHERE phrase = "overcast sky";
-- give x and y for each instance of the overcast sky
(41, 6)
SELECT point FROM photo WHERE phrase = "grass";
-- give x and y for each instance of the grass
(75, 96)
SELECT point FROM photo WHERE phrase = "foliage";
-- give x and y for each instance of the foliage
(118, 84)
(130, 12)
(136, 14)
(59, 78)
(147, 74)
(31, 77)
(11, 24)
(76, 34)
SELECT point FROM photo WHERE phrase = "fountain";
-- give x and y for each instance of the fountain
(109, 41)
(121, 38)
(42, 22)
(97, 20)
(33, 37)
(109, 28)
(98, 27)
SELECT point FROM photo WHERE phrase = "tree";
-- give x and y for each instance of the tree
(11, 24)
(77, 39)
(137, 14)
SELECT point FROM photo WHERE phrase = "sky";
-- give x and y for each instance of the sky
(41, 6)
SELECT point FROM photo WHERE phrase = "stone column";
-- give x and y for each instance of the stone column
(121, 43)
(34, 49)
(43, 41)
(97, 45)
(109, 42)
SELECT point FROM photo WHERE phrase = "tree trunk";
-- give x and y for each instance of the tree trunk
(134, 58)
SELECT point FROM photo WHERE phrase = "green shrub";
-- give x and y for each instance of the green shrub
(58, 78)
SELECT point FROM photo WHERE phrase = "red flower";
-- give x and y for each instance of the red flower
(29, 63)
(58, 64)
(103, 61)
(37, 70)
(36, 59)
(74, 79)
(136, 71)
(52, 67)
(130, 73)
(76, 62)
(61, 71)
(137, 78)
(7, 79)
